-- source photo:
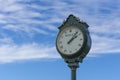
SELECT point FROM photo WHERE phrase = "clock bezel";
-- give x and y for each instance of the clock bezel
(80, 51)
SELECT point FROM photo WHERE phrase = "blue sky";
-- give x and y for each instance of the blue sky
(28, 32)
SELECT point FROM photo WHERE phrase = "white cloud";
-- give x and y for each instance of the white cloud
(6, 40)
(13, 53)
(17, 17)
(104, 45)
(24, 28)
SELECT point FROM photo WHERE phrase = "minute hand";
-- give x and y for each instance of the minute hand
(74, 36)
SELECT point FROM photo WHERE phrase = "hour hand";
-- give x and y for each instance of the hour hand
(74, 36)
(71, 39)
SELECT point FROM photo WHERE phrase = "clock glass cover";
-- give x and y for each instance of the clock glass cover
(70, 40)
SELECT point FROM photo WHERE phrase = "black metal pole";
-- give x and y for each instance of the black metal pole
(73, 66)
(73, 73)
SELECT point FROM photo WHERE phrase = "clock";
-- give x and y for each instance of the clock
(70, 40)
(73, 40)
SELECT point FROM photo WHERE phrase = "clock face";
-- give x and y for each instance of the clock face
(70, 40)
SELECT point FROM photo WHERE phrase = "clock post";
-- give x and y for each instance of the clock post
(73, 67)
(73, 42)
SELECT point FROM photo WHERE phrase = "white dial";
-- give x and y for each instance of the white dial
(70, 40)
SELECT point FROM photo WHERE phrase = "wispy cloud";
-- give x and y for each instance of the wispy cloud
(5, 40)
(18, 17)
(12, 53)
(26, 19)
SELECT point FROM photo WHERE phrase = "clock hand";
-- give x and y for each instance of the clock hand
(71, 39)
(74, 36)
